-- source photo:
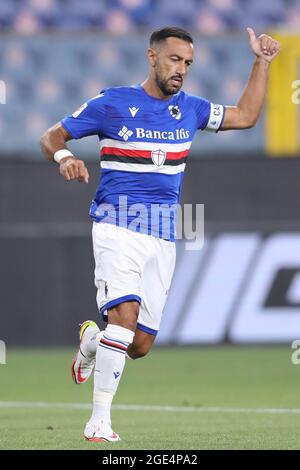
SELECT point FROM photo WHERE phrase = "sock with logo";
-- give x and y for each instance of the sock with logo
(110, 362)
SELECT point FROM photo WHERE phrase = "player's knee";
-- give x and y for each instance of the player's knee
(124, 315)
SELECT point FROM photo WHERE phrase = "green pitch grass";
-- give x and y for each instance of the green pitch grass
(225, 377)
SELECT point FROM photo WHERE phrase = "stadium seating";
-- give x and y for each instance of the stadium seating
(46, 83)
(208, 16)
(49, 70)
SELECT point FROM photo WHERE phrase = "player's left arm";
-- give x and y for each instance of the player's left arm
(247, 111)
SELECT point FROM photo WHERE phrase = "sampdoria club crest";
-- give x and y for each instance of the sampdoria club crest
(158, 157)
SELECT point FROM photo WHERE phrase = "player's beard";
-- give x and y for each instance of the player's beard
(164, 86)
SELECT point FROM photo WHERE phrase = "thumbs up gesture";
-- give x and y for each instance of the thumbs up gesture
(263, 46)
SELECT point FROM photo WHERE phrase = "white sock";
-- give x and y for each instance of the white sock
(101, 406)
(110, 362)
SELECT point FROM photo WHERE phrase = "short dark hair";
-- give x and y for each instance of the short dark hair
(162, 34)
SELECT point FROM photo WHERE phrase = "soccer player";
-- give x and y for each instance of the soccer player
(145, 133)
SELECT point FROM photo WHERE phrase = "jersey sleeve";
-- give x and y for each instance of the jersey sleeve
(209, 116)
(88, 119)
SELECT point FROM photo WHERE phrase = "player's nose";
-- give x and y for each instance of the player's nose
(181, 70)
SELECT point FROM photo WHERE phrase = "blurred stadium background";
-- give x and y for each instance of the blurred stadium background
(245, 284)
(243, 287)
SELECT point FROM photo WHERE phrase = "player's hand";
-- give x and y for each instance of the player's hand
(264, 46)
(73, 169)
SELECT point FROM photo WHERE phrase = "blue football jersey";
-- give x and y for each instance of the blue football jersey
(144, 145)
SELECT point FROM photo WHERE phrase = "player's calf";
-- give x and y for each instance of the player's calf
(141, 345)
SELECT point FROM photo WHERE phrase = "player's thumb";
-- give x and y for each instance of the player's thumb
(251, 33)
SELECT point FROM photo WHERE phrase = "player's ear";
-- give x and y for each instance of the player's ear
(151, 56)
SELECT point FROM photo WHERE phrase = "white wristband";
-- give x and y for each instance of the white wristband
(62, 154)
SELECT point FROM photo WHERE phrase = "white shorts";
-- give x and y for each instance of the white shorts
(132, 266)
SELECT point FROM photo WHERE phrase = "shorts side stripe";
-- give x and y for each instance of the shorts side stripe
(119, 300)
(146, 329)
